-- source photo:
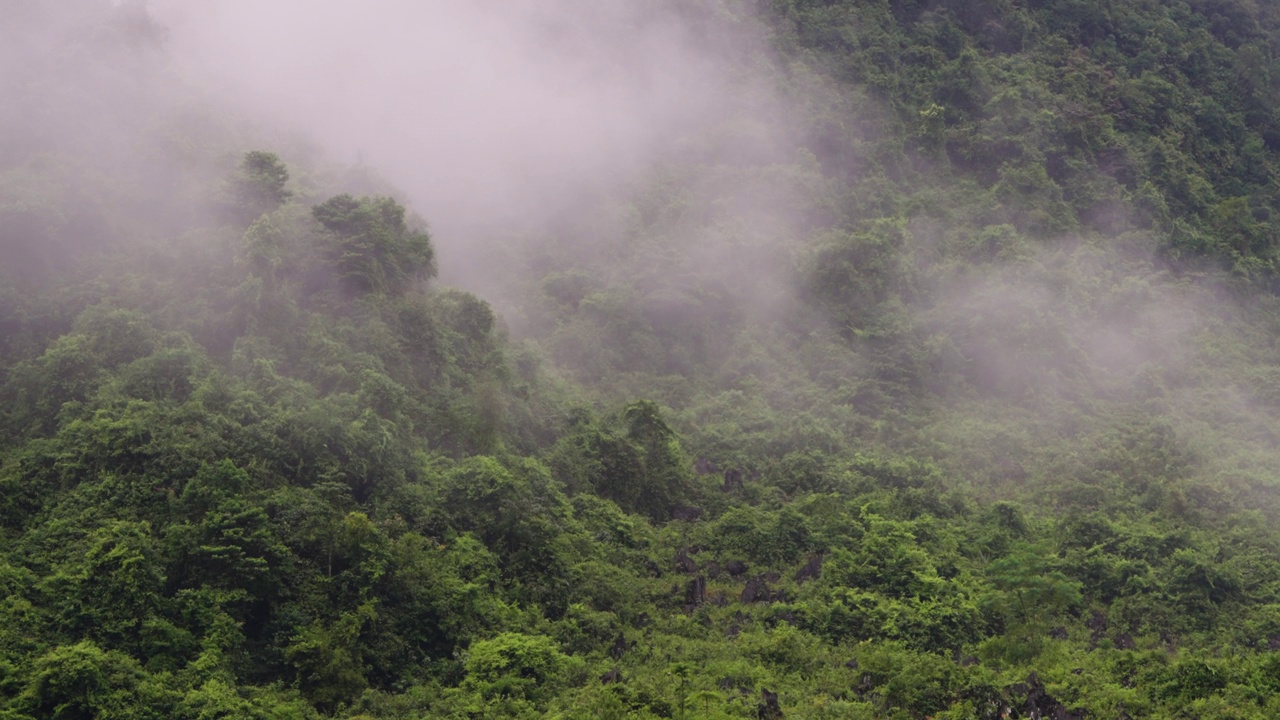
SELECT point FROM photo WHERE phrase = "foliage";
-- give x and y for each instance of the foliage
(371, 245)
(951, 394)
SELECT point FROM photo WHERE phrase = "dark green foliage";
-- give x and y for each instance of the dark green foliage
(371, 245)
(636, 462)
(81, 681)
(329, 661)
(951, 394)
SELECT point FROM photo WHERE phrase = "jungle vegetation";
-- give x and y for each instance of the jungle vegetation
(986, 428)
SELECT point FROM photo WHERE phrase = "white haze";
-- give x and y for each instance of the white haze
(484, 113)
(499, 117)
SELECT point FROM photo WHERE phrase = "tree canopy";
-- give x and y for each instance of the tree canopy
(959, 403)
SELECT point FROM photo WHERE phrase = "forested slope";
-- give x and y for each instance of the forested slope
(935, 377)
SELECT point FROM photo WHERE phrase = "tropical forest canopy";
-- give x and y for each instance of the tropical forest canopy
(950, 391)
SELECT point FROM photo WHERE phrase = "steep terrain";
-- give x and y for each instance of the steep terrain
(934, 375)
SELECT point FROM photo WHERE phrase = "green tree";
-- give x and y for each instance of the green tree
(372, 245)
(115, 587)
(516, 665)
(328, 658)
(1031, 593)
(258, 187)
(85, 682)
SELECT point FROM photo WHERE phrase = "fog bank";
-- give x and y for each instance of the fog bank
(483, 113)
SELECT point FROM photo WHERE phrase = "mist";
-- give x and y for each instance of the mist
(593, 170)
(488, 116)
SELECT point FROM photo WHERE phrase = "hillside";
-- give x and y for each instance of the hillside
(930, 371)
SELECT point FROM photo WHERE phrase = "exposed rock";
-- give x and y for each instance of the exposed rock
(613, 676)
(687, 513)
(811, 570)
(736, 568)
(732, 480)
(703, 466)
(757, 590)
(695, 593)
(1040, 705)
(684, 563)
(769, 708)
(620, 647)
(779, 617)
(1097, 624)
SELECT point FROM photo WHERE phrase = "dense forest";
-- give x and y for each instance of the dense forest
(935, 376)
